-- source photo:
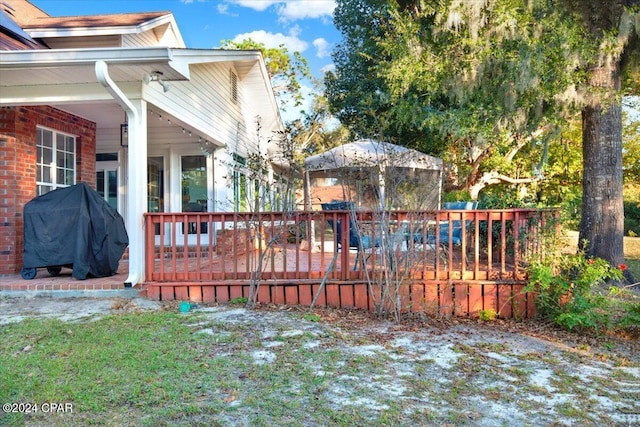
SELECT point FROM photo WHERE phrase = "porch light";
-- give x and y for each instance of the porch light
(124, 129)
(156, 77)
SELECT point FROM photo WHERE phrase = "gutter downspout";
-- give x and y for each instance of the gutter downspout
(134, 217)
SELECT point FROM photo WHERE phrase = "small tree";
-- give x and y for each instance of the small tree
(378, 184)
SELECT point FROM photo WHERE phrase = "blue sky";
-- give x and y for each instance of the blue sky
(303, 26)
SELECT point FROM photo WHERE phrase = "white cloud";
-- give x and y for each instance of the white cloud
(295, 31)
(291, 42)
(327, 68)
(291, 10)
(322, 47)
(258, 5)
(223, 8)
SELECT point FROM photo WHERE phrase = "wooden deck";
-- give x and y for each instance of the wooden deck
(222, 255)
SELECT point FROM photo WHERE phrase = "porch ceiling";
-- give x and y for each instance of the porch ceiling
(77, 74)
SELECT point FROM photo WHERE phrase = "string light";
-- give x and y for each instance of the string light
(207, 147)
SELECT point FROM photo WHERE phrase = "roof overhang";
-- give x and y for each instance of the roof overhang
(39, 30)
(67, 75)
(41, 67)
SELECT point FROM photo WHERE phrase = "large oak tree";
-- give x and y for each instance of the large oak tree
(614, 25)
(491, 82)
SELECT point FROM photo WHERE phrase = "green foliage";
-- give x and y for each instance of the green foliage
(570, 291)
(631, 147)
(562, 184)
(503, 198)
(483, 87)
(238, 300)
(487, 315)
(456, 196)
(311, 317)
(631, 317)
(487, 85)
(632, 218)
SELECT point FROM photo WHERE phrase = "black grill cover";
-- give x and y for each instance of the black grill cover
(76, 227)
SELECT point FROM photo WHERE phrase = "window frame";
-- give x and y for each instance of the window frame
(60, 144)
(240, 183)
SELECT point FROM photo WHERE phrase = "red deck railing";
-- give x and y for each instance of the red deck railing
(454, 261)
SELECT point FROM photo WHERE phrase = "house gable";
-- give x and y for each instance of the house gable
(118, 30)
(96, 31)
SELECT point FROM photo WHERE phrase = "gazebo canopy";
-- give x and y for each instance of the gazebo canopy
(369, 153)
(398, 177)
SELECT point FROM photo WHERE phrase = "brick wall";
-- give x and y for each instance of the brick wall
(18, 168)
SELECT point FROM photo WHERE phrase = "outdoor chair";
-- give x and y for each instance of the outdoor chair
(358, 241)
(456, 229)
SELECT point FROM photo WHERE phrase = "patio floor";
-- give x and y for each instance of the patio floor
(64, 281)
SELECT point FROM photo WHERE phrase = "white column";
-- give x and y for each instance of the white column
(136, 191)
(136, 171)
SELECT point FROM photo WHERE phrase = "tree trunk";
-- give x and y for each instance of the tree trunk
(602, 222)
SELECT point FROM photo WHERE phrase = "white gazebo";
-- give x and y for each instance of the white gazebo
(375, 174)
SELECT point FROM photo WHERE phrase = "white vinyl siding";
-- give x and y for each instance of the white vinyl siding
(205, 102)
(146, 39)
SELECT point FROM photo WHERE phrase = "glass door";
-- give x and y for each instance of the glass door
(155, 187)
(193, 185)
(107, 181)
(155, 184)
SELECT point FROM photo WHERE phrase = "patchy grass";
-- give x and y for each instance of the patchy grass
(222, 366)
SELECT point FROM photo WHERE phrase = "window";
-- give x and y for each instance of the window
(281, 197)
(233, 79)
(56, 160)
(240, 184)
